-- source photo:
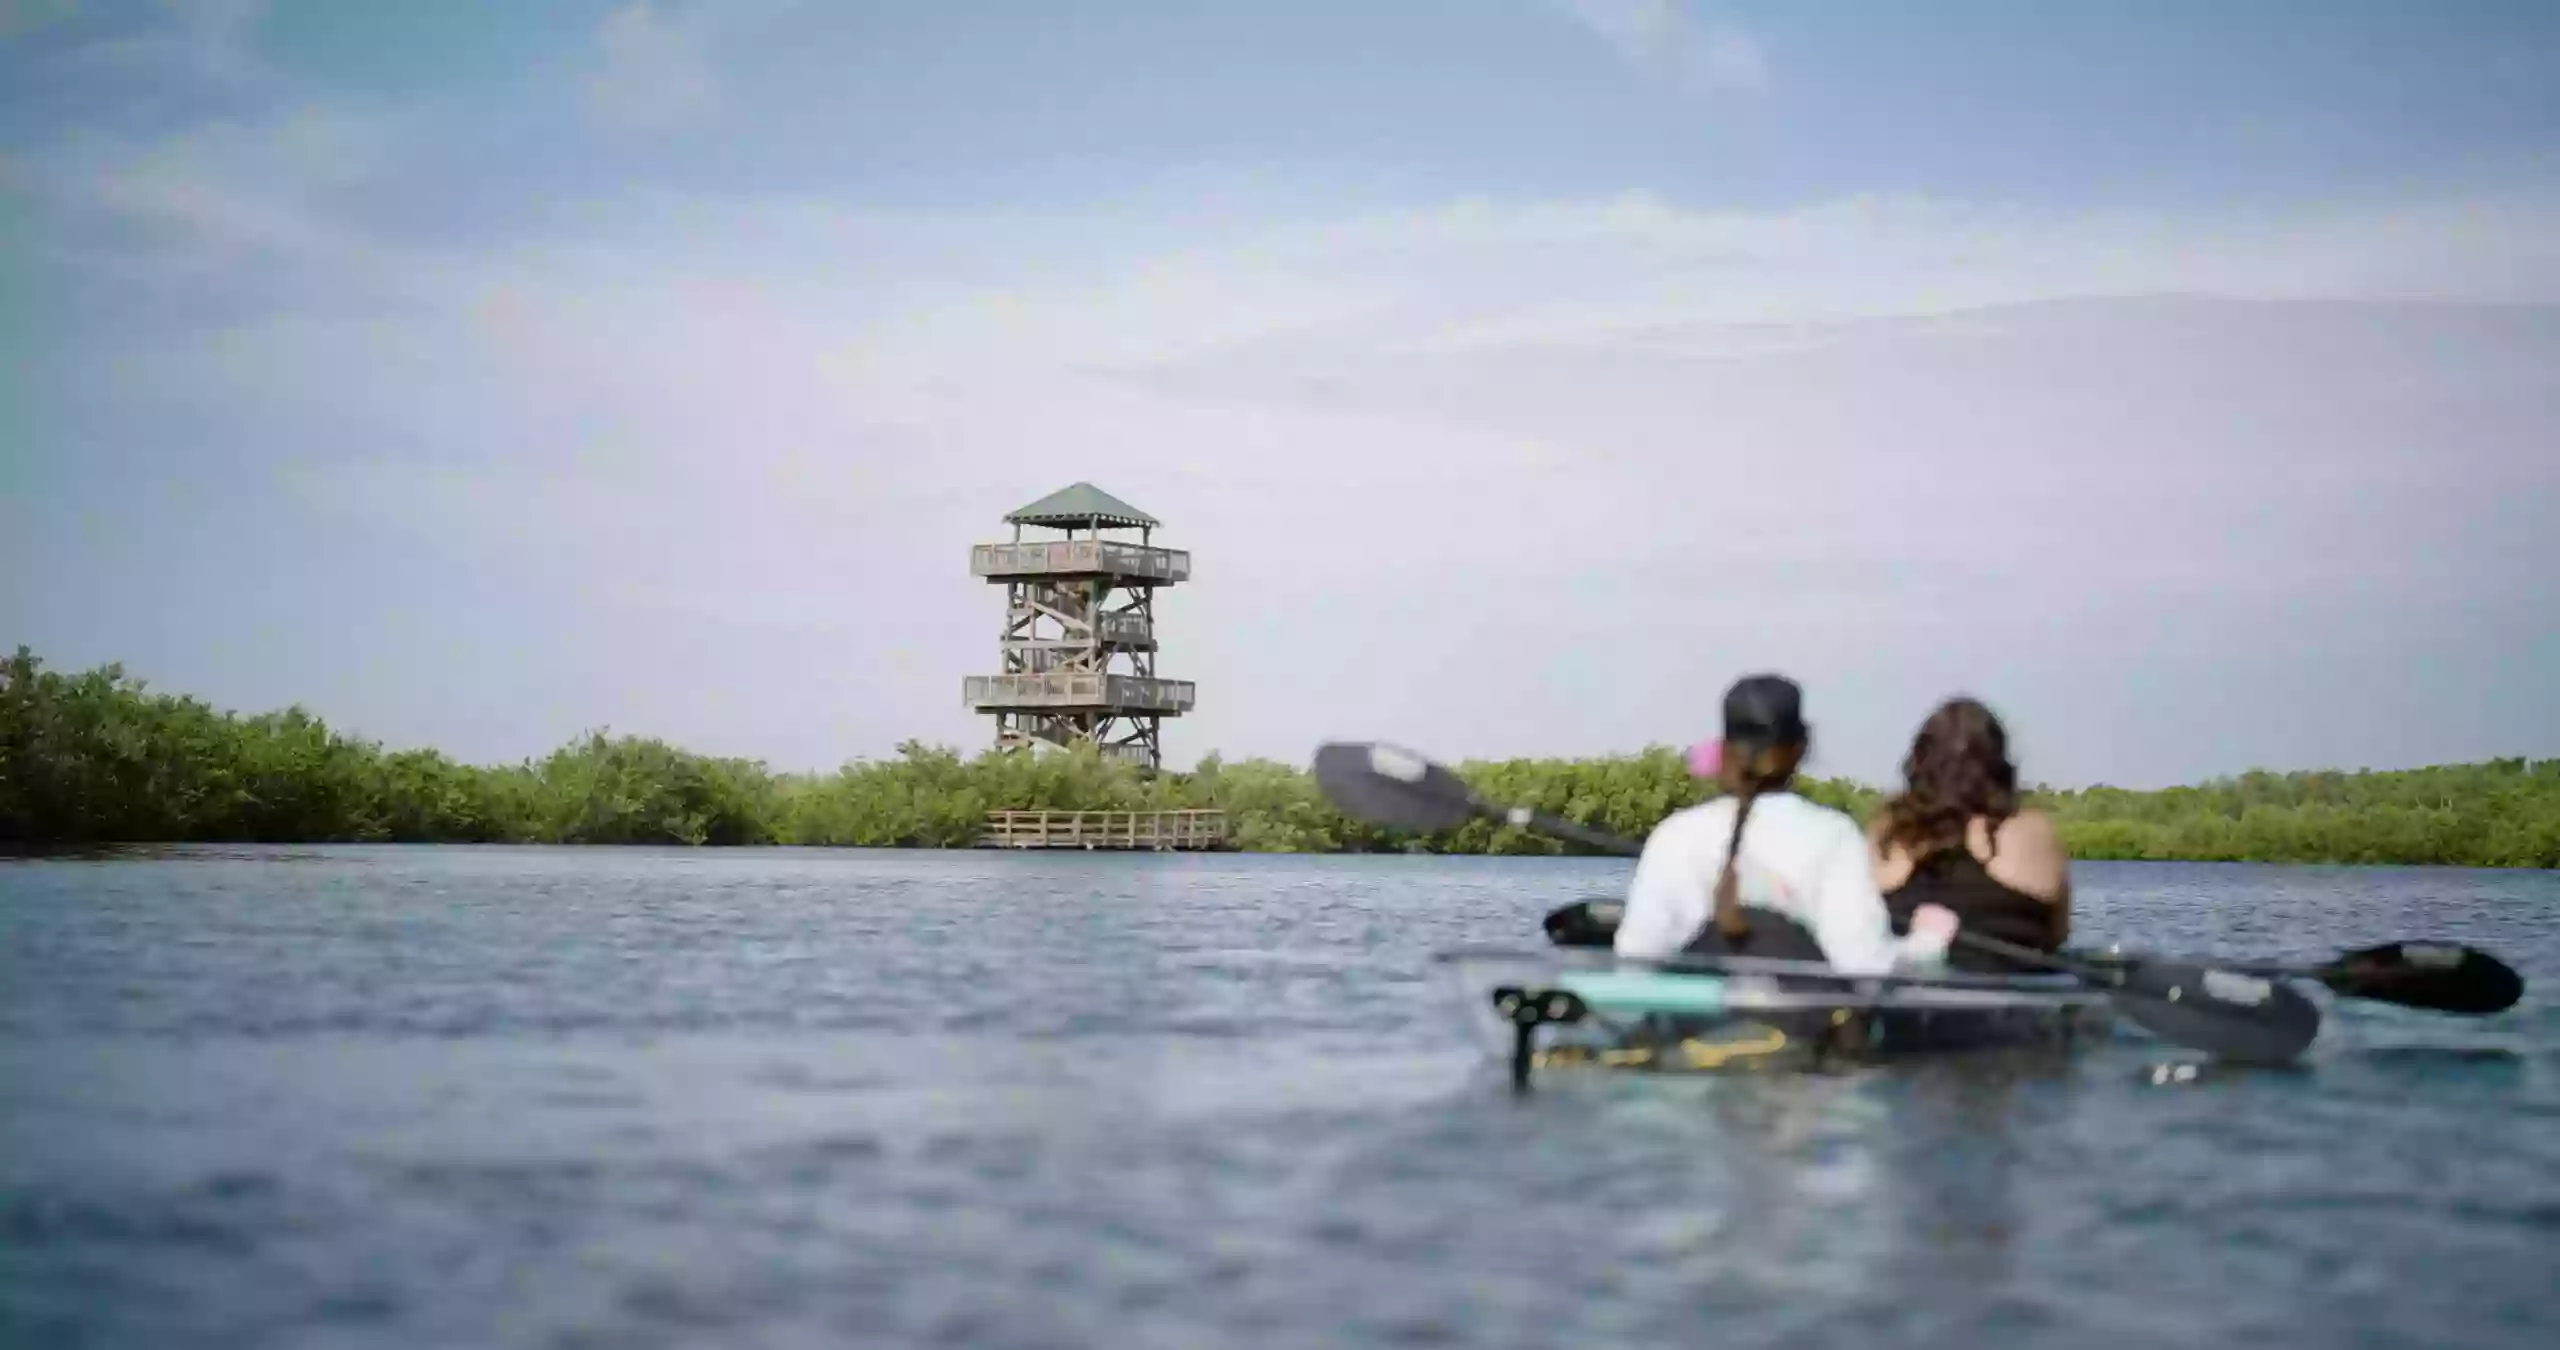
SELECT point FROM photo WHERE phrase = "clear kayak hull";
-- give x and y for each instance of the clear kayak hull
(1558, 1008)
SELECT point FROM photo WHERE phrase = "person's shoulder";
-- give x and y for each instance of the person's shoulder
(2030, 854)
(1689, 819)
(1828, 825)
(1692, 832)
(1850, 832)
(1806, 808)
(2031, 828)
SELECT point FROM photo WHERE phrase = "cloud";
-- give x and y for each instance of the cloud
(245, 215)
(20, 17)
(665, 321)
(710, 312)
(220, 37)
(205, 45)
(1630, 274)
(256, 183)
(1666, 41)
(653, 74)
(1568, 351)
(1663, 440)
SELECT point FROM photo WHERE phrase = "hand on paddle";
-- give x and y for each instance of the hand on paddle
(1934, 922)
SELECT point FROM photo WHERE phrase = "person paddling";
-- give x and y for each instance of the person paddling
(1956, 838)
(1762, 871)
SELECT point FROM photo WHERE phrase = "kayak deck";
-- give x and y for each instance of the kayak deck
(1559, 1008)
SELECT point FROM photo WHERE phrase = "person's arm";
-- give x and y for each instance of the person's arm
(1850, 919)
(2031, 849)
(1889, 871)
(1666, 900)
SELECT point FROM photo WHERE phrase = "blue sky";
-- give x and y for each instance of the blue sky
(2178, 376)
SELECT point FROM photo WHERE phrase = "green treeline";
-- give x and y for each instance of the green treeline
(96, 758)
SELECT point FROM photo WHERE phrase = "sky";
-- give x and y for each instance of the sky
(2181, 377)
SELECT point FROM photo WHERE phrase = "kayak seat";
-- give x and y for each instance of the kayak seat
(1773, 937)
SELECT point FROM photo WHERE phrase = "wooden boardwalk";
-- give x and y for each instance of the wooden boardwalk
(1148, 831)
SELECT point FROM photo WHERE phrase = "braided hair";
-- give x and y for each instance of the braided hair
(1764, 740)
(1753, 770)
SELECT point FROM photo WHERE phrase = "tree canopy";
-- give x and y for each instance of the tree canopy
(98, 758)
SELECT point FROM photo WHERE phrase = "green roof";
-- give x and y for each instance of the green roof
(1082, 504)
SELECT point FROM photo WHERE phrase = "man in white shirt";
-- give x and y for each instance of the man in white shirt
(1761, 847)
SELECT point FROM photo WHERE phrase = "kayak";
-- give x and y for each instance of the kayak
(1668, 1014)
(1566, 1008)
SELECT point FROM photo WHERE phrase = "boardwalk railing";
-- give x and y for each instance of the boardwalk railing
(1159, 831)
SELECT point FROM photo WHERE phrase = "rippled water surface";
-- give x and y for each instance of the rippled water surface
(529, 1097)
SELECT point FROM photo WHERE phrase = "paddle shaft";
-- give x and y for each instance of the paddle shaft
(1530, 818)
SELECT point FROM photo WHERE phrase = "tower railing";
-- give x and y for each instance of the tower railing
(1128, 630)
(1079, 557)
(1078, 689)
(1118, 629)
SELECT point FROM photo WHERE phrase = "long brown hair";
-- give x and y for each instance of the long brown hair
(1958, 768)
(1747, 771)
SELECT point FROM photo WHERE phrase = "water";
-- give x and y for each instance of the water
(530, 1097)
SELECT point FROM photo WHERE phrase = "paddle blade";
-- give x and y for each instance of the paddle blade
(1396, 788)
(1585, 923)
(2223, 1013)
(2440, 977)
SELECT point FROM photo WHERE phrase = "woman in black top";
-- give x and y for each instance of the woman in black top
(1956, 836)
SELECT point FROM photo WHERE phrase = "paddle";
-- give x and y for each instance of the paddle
(2436, 977)
(1584, 923)
(2231, 1015)
(1399, 789)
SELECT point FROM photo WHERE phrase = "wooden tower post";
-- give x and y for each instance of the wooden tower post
(1075, 605)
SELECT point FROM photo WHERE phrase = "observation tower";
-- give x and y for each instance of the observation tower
(1079, 641)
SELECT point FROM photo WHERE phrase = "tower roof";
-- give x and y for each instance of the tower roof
(1081, 504)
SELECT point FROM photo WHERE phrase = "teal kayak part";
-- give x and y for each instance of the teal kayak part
(1644, 991)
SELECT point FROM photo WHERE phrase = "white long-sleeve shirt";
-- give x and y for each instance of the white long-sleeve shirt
(1799, 858)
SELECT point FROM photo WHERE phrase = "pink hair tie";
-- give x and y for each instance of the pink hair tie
(1706, 757)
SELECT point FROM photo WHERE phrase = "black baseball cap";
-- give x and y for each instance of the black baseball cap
(1764, 710)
